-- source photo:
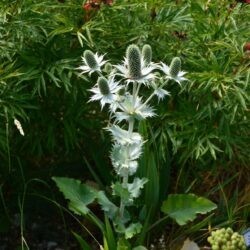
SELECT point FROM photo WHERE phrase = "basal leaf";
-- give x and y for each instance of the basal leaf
(79, 194)
(132, 229)
(184, 207)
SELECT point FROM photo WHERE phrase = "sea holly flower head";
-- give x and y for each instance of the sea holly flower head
(135, 68)
(174, 70)
(105, 90)
(91, 62)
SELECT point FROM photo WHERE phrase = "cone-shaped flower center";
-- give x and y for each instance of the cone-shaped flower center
(175, 67)
(90, 59)
(147, 54)
(103, 86)
(134, 61)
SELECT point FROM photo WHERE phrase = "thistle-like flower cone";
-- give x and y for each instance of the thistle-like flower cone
(103, 86)
(134, 61)
(175, 67)
(90, 59)
(147, 54)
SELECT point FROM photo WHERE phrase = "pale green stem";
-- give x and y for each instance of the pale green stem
(138, 88)
(150, 97)
(134, 92)
(125, 178)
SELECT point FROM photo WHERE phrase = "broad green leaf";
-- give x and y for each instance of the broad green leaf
(184, 207)
(78, 194)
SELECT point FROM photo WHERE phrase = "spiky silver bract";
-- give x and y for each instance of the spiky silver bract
(124, 158)
(105, 90)
(124, 137)
(134, 108)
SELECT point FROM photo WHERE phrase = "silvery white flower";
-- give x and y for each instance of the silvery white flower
(133, 107)
(123, 137)
(91, 62)
(172, 73)
(105, 90)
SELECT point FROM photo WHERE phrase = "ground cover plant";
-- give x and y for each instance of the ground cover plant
(198, 143)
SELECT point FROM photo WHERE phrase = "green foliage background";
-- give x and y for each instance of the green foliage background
(202, 134)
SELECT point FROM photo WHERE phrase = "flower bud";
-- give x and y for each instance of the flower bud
(147, 54)
(108, 68)
(90, 59)
(175, 67)
(134, 61)
(103, 86)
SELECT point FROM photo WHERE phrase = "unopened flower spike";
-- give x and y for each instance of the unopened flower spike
(175, 67)
(134, 61)
(147, 54)
(91, 62)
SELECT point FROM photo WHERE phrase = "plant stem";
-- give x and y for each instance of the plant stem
(7, 138)
(125, 178)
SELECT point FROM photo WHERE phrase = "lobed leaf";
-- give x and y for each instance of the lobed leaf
(184, 207)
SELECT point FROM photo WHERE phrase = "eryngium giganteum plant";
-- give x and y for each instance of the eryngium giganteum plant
(119, 90)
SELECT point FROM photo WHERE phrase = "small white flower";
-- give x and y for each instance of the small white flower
(133, 107)
(91, 62)
(19, 127)
(105, 90)
(178, 78)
